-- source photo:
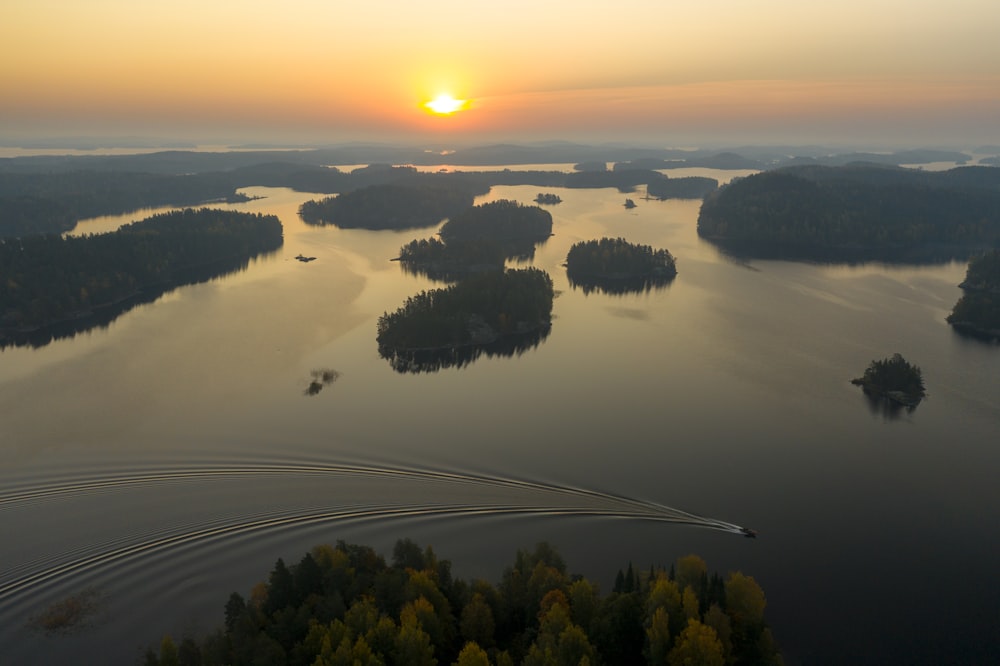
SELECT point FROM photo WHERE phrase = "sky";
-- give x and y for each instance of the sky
(917, 73)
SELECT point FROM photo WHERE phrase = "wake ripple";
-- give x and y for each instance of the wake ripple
(557, 501)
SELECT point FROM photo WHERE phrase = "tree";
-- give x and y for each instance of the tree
(477, 624)
(472, 655)
(413, 645)
(697, 645)
(658, 637)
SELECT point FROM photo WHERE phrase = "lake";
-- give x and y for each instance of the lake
(170, 458)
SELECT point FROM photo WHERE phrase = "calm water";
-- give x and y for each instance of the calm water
(170, 458)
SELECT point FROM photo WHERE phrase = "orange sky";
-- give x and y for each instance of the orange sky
(915, 72)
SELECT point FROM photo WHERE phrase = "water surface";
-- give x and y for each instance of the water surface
(169, 458)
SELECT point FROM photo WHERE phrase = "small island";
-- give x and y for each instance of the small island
(451, 261)
(548, 198)
(893, 380)
(977, 312)
(614, 265)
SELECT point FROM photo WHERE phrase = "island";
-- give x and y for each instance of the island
(479, 239)
(613, 265)
(453, 325)
(80, 282)
(858, 212)
(548, 198)
(451, 261)
(977, 312)
(347, 604)
(392, 205)
(893, 380)
(503, 219)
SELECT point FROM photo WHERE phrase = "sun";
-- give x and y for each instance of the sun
(445, 105)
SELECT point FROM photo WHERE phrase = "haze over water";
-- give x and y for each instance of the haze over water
(170, 458)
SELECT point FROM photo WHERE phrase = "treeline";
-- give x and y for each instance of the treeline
(40, 203)
(611, 258)
(856, 212)
(392, 206)
(977, 312)
(452, 261)
(345, 604)
(477, 310)
(499, 220)
(49, 278)
(35, 203)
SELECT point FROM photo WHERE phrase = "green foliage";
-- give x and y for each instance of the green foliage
(612, 258)
(456, 259)
(614, 265)
(894, 378)
(856, 212)
(540, 617)
(977, 312)
(391, 206)
(548, 198)
(475, 311)
(46, 203)
(48, 279)
(499, 220)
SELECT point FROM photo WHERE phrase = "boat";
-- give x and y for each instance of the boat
(629, 203)
(748, 533)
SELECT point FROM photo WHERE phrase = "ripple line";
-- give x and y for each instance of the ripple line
(27, 582)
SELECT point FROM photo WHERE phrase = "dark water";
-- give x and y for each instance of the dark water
(169, 459)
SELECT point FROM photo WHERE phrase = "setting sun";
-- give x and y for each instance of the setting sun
(444, 104)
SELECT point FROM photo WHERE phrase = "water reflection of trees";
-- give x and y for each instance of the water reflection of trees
(432, 360)
(890, 410)
(320, 379)
(101, 317)
(620, 286)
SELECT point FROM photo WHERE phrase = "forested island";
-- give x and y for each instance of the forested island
(893, 379)
(856, 213)
(453, 260)
(392, 206)
(548, 198)
(977, 312)
(345, 604)
(50, 279)
(614, 265)
(499, 220)
(484, 312)
(480, 238)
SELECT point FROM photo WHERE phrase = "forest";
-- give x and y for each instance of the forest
(46, 279)
(475, 311)
(52, 203)
(453, 260)
(856, 212)
(345, 605)
(977, 312)
(499, 220)
(393, 206)
(480, 238)
(613, 265)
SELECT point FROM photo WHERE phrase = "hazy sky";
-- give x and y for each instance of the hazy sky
(905, 72)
